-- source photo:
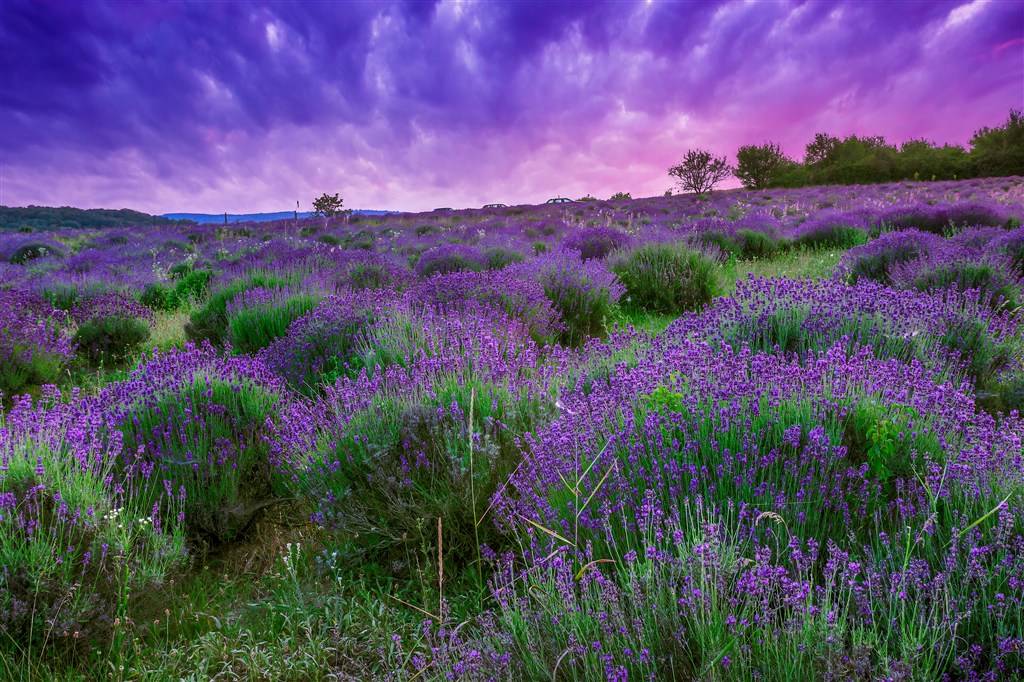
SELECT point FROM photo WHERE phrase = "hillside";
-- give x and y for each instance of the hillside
(66, 217)
(232, 218)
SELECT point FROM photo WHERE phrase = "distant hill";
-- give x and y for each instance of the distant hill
(206, 218)
(66, 217)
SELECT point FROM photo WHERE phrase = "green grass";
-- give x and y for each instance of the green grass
(168, 329)
(642, 320)
(798, 263)
(274, 607)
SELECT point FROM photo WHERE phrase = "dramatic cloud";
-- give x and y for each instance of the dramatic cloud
(251, 106)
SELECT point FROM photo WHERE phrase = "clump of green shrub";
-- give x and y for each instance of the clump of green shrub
(757, 244)
(157, 296)
(989, 280)
(62, 296)
(34, 250)
(831, 237)
(210, 322)
(407, 463)
(253, 328)
(744, 244)
(666, 278)
(190, 285)
(498, 257)
(110, 340)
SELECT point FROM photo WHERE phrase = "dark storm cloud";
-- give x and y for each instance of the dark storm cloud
(247, 106)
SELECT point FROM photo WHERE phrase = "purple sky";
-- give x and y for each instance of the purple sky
(245, 107)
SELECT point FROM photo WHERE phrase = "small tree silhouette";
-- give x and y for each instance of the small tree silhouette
(327, 205)
(700, 171)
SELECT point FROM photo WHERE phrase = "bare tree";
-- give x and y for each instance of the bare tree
(700, 171)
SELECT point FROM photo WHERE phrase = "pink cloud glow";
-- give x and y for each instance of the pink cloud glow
(250, 107)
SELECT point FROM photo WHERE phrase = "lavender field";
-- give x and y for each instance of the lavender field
(751, 435)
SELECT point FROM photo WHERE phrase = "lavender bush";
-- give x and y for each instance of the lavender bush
(258, 316)
(449, 258)
(939, 219)
(35, 341)
(583, 293)
(875, 260)
(595, 242)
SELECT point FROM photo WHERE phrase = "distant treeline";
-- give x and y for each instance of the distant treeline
(49, 218)
(828, 160)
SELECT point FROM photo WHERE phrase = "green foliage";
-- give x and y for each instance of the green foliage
(666, 278)
(999, 151)
(190, 286)
(888, 438)
(745, 244)
(832, 237)
(821, 149)
(50, 218)
(210, 322)
(327, 205)
(758, 166)
(252, 329)
(921, 159)
(829, 160)
(27, 252)
(29, 366)
(110, 340)
(158, 296)
(176, 272)
(414, 459)
(62, 296)
(620, 196)
(700, 171)
(222, 460)
(757, 244)
(498, 257)
(71, 573)
(583, 307)
(988, 279)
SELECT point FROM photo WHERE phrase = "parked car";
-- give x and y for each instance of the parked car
(445, 208)
(495, 206)
(559, 200)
